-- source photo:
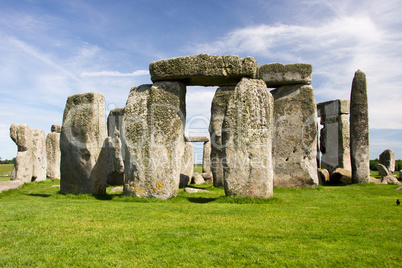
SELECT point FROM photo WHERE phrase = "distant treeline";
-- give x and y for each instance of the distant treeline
(374, 163)
(12, 161)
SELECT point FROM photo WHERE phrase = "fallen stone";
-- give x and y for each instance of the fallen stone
(187, 165)
(390, 180)
(196, 178)
(218, 109)
(278, 74)
(323, 176)
(39, 155)
(386, 175)
(204, 70)
(247, 140)
(55, 186)
(387, 158)
(341, 176)
(375, 180)
(84, 158)
(294, 149)
(208, 177)
(359, 130)
(399, 189)
(10, 185)
(53, 155)
(196, 139)
(116, 190)
(21, 134)
(193, 190)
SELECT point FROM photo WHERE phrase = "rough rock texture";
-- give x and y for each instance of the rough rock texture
(359, 130)
(39, 155)
(400, 174)
(204, 70)
(208, 177)
(115, 121)
(196, 178)
(206, 157)
(84, 158)
(294, 149)
(115, 174)
(10, 185)
(194, 190)
(116, 190)
(323, 176)
(334, 138)
(187, 165)
(21, 134)
(196, 139)
(55, 128)
(387, 158)
(218, 109)
(399, 189)
(153, 138)
(341, 176)
(53, 154)
(248, 140)
(386, 175)
(278, 74)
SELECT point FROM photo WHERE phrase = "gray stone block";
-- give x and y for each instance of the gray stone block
(278, 74)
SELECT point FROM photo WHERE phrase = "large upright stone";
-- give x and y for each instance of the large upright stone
(153, 134)
(187, 165)
(359, 130)
(204, 70)
(84, 157)
(115, 121)
(206, 157)
(21, 134)
(387, 158)
(294, 148)
(218, 110)
(115, 174)
(247, 141)
(39, 155)
(334, 138)
(53, 154)
(278, 74)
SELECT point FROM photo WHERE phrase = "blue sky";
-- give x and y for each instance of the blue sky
(52, 49)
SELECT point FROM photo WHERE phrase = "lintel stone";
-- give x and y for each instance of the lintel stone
(278, 74)
(196, 139)
(333, 108)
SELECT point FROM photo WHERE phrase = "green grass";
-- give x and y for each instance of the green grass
(344, 226)
(5, 170)
(198, 168)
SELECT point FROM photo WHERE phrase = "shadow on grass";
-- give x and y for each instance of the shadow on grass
(201, 200)
(40, 195)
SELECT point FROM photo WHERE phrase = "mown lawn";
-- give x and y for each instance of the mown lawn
(5, 171)
(343, 226)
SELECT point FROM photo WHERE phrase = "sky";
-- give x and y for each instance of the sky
(51, 49)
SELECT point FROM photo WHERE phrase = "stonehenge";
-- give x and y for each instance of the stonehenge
(387, 158)
(263, 133)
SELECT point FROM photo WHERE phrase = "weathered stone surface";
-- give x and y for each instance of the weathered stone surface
(21, 134)
(386, 175)
(204, 70)
(387, 158)
(341, 176)
(115, 121)
(153, 138)
(294, 149)
(196, 178)
(375, 180)
(39, 155)
(194, 190)
(334, 138)
(53, 155)
(359, 129)
(400, 174)
(115, 174)
(10, 185)
(206, 157)
(55, 128)
(383, 171)
(247, 140)
(218, 109)
(208, 177)
(399, 189)
(196, 139)
(278, 74)
(323, 176)
(84, 158)
(116, 190)
(187, 165)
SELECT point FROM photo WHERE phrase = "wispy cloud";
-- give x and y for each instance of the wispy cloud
(114, 73)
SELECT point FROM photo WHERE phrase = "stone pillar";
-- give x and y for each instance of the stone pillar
(84, 156)
(153, 134)
(53, 154)
(115, 121)
(387, 158)
(334, 138)
(294, 149)
(247, 140)
(206, 157)
(218, 109)
(39, 155)
(21, 134)
(187, 165)
(115, 174)
(359, 130)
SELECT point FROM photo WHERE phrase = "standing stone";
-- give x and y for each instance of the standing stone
(115, 121)
(206, 158)
(295, 137)
(153, 133)
(84, 158)
(187, 165)
(359, 130)
(387, 158)
(39, 155)
(53, 154)
(248, 141)
(334, 138)
(115, 174)
(21, 134)
(218, 109)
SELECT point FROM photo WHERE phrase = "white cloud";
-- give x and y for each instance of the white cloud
(114, 73)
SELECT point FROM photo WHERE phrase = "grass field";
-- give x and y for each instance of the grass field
(343, 226)
(198, 168)
(5, 171)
